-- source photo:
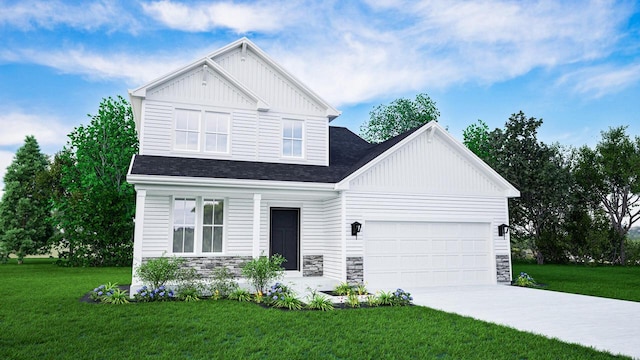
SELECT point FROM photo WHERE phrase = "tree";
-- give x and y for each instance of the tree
(476, 139)
(610, 177)
(541, 173)
(387, 121)
(25, 203)
(94, 205)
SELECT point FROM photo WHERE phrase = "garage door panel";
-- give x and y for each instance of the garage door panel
(416, 254)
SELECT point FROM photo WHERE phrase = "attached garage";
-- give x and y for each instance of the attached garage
(411, 254)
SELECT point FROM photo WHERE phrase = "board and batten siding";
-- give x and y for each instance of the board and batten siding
(268, 83)
(425, 165)
(363, 206)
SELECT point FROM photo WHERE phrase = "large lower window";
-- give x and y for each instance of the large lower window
(292, 137)
(212, 225)
(198, 225)
(184, 225)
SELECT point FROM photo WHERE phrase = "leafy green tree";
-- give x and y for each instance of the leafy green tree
(609, 176)
(387, 121)
(94, 205)
(541, 173)
(476, 139)
(25, 203)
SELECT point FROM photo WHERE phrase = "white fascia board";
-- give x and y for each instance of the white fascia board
(141, 92)
(331, 112)
(228, 183)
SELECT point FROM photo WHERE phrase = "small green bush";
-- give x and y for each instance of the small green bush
(319, 302)
(117, 297)
(288, 301)
(240, 294)
(223, 283)
(401, 298)
(385, 298)
(159, 271)
(343, 289)
(525, 280)
(263, 270)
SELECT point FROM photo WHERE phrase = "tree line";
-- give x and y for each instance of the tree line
(78, 202)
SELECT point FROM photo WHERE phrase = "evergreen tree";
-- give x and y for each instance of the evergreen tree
(25, 203)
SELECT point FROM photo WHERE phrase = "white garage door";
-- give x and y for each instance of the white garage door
(417, 254)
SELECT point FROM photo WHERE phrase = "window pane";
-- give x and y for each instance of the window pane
(188, 239)
(287, 132)
(211, 123)
(207, 239)
(219, 212)
(217, 239)
(296, 148)
(223, 124)
(192, 141)
(297, 129)
(207, 216)
(182, 123)
(189, 212)
(222, 143)
(194, 119)
(286, 147)
(178, 235)
(210, 142)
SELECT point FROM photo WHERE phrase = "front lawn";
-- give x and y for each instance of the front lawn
(616, 282)
(41, 317)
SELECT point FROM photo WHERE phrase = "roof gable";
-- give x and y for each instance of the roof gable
(428, 160)
(254, 68)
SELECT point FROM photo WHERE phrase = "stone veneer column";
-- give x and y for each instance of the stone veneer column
(312, 265)
(503, 268)
(355, 270)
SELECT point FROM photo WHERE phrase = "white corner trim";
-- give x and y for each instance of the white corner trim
(256, 225)
(343, 236)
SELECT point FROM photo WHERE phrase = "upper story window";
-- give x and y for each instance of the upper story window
(187, 131)
(292, 139)
(196, 127)
(216, 132)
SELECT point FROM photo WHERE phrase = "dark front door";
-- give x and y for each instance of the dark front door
(285, 236)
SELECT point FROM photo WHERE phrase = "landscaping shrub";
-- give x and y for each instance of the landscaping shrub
(343, 289)
(102, 292)
(223, 283)
(118, 296)
(320, 302)
(385, 298)
(240, 294)
(263, 270)
(161, 293)
(525, 280)
(159, 271)
(401, 298)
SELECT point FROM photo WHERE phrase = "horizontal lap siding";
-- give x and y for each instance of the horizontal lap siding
(333, 239)
(317, 139)
(362, 206)
(156, 226)
(157, 128)
(239, 226)
(244, 125)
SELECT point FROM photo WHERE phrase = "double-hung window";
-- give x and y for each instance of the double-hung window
(292, 138)
(199, 130)
(198, 225)
(184, 225)
(187, 131)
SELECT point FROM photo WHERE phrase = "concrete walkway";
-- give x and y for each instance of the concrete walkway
(605, 324)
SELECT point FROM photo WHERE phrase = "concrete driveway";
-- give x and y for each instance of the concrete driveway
(605, 324)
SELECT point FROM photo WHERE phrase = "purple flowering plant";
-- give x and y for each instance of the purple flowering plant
(401, 298)
(146, 294)
(102, 292)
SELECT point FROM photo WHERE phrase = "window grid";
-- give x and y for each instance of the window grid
(292, 138)
(212, 225)
(184, 225)
(216, 134)
(187, 130)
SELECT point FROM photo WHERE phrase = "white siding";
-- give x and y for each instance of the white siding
(332, 241)
(268, 83)
(239, 226)
(155, 240)
(363, 206)
(423, 166)
(157, 128)
(190, 87)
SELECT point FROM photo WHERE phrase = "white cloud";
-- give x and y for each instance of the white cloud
(46, 129)
(28, 15)
(135, 70)
(602, 80)
(239, 17)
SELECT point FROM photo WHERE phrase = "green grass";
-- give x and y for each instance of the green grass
(41, 317)
(616, 282)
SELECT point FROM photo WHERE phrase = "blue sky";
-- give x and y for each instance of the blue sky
(575, 64)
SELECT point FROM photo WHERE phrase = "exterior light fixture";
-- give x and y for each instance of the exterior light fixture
(356, 227)
(503, 229)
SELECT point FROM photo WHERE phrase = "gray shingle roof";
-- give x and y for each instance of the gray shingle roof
(347, 153)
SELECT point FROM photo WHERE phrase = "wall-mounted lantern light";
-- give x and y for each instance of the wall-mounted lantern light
(355, 229)
(503, 229)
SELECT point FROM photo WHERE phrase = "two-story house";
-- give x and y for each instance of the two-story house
(237, 159)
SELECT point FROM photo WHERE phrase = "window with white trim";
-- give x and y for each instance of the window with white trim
(292, 138)
(196, 127)
(198, 225)
(212, 225)
(187, 130)
(216, 132)
(184, 225)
